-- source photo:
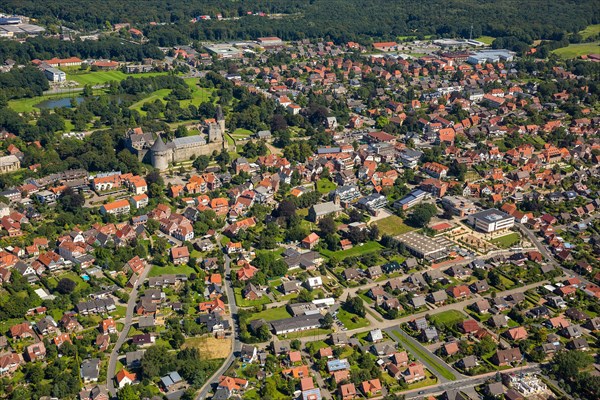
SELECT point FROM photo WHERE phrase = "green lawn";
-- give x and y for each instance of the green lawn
(420, 354)
(199, 96)
(157, 95)
(102, 77)
(171, 269)
(579, 49)
(81, 284)
(29, 104)
(449, 317)
(241, 302)
(272, 314)
(351, 321)
(366, 248)
(591, 30)
(393, 226)
(325, 186)
(241, 133)
(308, 333)
(486, 39)
(507, 241)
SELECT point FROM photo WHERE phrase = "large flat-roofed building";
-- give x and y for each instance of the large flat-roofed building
(272, 41)
(9, 164)
(54, 74)
(459, 205)
(423, 246)
(224, 50)
(491, 220)
(296, 324)
(485, 56)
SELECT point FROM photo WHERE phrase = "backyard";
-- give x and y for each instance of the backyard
(351, 321)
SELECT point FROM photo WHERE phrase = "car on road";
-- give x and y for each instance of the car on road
(421, 392)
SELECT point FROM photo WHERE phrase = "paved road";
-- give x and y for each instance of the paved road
(112, 363)
(547, 254)
(458, 306)
(461, 384)
(236, 344)
(415, 343)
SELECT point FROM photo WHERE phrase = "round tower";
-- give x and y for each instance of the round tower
(220, 119)
(159, 154)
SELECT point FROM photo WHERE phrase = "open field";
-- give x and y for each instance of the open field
(507, 241)
(393, 226)
(486, 39)
(420, 354)
(368, 247)
(210, 347)
(199, 96)
(591, 30)
(102, 77)
(170, 269)
(272, 314)
(579, 49)
(449, 317)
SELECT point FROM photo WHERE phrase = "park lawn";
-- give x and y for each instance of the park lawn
(241, 302)
(101, 77)
(29, 104)
(325, 185)
(156, 95)
(507, 241)
(351, 321)
(591, 30)
(420, 354)
(171, 269)
(450, 317)
(578, 49)
(241, 133)
(486, 39)
(272, 314)
(392, 226)
(358, 250)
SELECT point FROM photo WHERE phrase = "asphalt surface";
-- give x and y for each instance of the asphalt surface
(114, 354)
(236, 343)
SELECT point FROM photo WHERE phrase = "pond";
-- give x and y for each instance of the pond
(51, 104)
(58, 102)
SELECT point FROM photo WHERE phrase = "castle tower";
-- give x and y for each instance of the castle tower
(220, 119)
(160, 154)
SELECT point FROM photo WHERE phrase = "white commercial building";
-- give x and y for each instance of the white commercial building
(491, 220)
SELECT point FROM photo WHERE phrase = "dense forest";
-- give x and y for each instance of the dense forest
(45, 48)
(352, 19)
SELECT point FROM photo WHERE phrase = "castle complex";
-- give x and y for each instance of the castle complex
(161, 154)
